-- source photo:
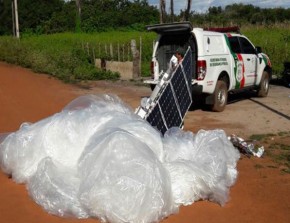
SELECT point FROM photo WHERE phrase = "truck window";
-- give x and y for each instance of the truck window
(235, 44)
(247, 47)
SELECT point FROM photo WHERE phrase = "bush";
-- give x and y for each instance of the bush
(274, 40)
(67, 56)
(68, 62)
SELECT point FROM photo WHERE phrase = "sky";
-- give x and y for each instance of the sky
(203, 5)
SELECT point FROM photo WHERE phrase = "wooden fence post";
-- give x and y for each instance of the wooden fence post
(128, 52)
(140, 59)
(286, 46)
(94, 56)
(88, 48)
(123, 51)
(118, 51)
(99, 49)
(136, 58)
(111, 51)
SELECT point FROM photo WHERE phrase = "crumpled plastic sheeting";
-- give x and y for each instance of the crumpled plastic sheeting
(55, 187)
(203, 166)
(97, 158)
(123, 180)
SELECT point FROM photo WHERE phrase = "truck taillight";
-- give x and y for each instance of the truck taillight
(201, 69)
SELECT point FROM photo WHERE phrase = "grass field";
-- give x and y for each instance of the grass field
(278, 150)
(275, 42)
(69, 56)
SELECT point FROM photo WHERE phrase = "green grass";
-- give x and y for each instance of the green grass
(275, 42)
(260, 137)
(277, 147)
(69, 56)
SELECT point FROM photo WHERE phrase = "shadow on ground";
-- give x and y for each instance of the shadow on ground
(199, 101)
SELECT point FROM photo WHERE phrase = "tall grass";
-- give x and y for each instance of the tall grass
(275, 42)
(66, 56)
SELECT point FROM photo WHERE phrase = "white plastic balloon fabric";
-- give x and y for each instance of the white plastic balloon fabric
(96, 158)
(202, 166)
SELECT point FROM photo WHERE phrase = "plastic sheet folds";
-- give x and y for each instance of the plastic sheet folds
(96, 158)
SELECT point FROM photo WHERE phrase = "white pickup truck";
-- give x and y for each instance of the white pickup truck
(223, 60)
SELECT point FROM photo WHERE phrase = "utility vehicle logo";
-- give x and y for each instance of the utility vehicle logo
(239, 75)
(239, 68)
(266, 60)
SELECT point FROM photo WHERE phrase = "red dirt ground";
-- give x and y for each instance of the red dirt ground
(261, 193)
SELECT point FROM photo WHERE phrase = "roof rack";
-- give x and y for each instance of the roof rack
(231, 29)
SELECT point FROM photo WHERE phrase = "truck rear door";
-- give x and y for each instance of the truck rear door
(171, 37)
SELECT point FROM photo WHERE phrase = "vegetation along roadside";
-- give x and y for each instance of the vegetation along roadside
(58, 41)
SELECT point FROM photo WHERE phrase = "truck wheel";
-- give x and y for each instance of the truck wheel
(220, 96)
(264, 85)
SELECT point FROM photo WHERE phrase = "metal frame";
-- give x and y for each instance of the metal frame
(171, 98)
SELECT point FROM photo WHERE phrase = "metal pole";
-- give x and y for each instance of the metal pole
(16, 19)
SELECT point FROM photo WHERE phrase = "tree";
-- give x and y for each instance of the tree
(78, 17)
(34, 13)
(257, 18)
(63, 20)
(112, 14)
(187, 11)
(51, 16)
(214, 10)
(15, 19)
(172, 10)
(162, 11)
(6, 23)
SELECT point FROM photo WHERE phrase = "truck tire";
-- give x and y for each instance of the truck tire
(264, 85)
(220, 96)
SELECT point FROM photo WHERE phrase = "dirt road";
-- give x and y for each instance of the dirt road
(261, 193)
